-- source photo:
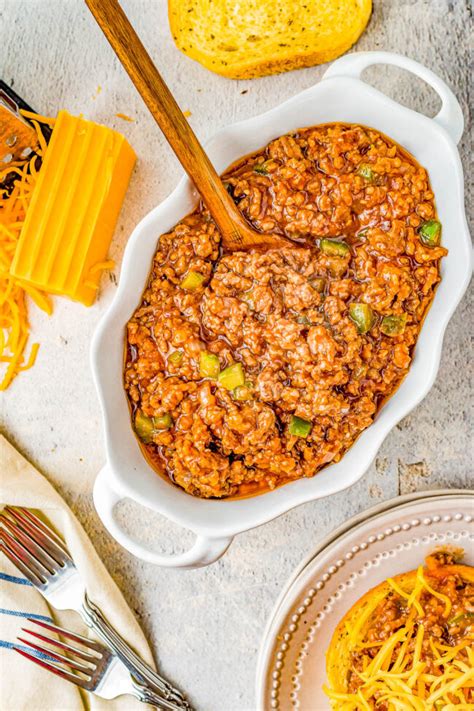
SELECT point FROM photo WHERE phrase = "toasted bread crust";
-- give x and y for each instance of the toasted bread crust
(252, 59)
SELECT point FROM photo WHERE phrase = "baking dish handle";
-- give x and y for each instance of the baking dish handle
(203, 552)
(450, 117)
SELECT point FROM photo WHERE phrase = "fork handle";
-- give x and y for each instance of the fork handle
(147, 696)
(142, 671)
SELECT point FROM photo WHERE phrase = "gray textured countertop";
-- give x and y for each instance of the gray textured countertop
(205, 626)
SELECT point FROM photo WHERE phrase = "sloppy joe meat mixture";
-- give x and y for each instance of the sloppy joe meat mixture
(447, 627)
(251, 369)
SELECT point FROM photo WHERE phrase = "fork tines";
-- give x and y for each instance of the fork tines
(28, 519)
(82, 666)
(30, 545)
(44, 560)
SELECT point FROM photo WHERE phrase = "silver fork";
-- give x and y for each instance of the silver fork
(45, 560)
(88, 664)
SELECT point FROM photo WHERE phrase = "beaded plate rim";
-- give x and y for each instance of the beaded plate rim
(272, 655)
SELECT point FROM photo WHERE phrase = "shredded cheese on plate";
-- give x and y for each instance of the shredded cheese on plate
(397, 676)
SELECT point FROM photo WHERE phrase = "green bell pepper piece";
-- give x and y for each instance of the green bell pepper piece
(334, 247)
(232, 377)
(430, 233)
(162, 423)
(175, 357)
(192, 281)
(366, 172)
(261, 168)
(146, 427)
(393, 325)
(209, 366)
(461, 616)
(299, 427)
(362, 315)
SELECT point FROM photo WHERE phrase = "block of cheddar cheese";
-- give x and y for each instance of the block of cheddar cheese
(74, 209)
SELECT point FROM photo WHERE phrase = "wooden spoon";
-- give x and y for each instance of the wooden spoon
(236, 233)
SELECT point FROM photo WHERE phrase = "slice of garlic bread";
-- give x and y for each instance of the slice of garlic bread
(242, 39)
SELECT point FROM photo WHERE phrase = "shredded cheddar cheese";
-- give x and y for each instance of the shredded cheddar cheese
(125, 117)
(48, 120)
(398, 675)
(405, 595)
(440, 596)
(14, 325)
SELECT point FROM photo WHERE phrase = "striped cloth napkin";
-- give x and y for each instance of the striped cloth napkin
(24, 685)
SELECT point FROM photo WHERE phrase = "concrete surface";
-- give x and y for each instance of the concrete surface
(206, 625)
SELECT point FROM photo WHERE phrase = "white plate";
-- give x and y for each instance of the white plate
(361, 554)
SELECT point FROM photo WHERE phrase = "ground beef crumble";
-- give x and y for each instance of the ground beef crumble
(284, 314)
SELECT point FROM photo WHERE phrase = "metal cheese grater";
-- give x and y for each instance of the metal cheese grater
(18, 137)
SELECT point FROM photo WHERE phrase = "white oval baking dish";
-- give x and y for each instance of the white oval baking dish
(340, 96)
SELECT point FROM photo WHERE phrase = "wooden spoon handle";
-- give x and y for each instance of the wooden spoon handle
(166, 112)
